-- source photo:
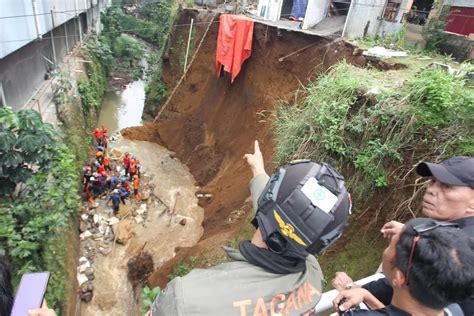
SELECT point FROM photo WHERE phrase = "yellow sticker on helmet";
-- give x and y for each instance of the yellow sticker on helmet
(287, 229)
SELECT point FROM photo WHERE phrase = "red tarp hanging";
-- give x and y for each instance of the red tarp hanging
(234, 43)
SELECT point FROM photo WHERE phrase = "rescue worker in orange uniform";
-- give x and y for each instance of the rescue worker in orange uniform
(106, 163)
(136, 185)
(132, 169)
(97, 135)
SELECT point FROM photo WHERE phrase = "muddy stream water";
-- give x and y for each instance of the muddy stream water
(150, 226)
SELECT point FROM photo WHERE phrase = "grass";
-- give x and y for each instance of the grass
(375, 137)
(183, 267)
(358, 259)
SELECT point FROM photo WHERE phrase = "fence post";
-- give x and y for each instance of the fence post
(52, 40)
(187, 48)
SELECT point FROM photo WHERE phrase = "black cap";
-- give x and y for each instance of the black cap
(457, 171)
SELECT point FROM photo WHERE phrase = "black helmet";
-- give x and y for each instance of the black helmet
(303, 209)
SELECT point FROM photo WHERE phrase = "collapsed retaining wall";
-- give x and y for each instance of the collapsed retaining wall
(211, 123)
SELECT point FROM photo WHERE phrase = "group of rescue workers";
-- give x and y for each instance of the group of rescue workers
(300, 211)
(100, 178)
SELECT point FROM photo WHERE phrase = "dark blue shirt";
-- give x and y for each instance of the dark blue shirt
(115, 199)
(123, 192)
(114, 180)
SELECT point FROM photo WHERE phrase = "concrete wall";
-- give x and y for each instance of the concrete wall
(461, 47)
(24, 70)
(461, 3)
(18, 28)
(365, 18)
(269, 9)
(316, 11)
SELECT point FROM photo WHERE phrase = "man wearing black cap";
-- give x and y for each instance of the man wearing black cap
(449, 197)
(300, 210)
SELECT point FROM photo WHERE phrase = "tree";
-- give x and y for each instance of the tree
(26, 147)
(128, 48)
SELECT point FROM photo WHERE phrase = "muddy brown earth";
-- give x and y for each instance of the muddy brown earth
(211, 123)
(171, 219)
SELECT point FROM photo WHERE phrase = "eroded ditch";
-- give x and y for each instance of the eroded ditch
(209, 125)
(120, 251)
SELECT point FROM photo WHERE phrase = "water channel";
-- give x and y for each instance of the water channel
(121, 109)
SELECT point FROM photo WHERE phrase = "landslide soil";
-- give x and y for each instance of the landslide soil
(210, 123)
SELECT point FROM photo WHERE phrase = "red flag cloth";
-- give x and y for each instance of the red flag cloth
(234, 43)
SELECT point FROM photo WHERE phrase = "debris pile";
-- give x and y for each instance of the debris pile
(102, 226)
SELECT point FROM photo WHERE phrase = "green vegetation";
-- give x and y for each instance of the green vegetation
(347, 123)
(156, 91)
(128, 49)
(33, 226)
(99, 48)
(148, 296)
(26, 147)
(439, 98)
(93, 89)
(433, 31)
(371, 128)
(433, 34)
(391, 40)
(183, 267)
(154, 24)
(358, 259)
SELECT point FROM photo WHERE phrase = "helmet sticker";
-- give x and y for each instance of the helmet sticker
(319, 195)
(288, 230)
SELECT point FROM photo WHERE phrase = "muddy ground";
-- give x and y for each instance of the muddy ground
(171, 219)
(211, 123)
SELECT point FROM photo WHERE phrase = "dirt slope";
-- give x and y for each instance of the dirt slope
(211, 123)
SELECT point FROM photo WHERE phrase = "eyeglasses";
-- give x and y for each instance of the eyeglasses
(420, 229)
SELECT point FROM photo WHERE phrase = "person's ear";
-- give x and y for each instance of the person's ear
(398, 279)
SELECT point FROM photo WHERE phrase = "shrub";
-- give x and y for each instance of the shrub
(26, 147)
(33, 228)
(439, 97)
(340, 122)
(93, 89)
(148, 296)
(128, 49)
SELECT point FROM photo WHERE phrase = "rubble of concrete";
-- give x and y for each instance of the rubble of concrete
(382, 52)
(100, 228)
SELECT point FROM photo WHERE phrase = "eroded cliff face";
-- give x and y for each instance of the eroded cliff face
(210, 123)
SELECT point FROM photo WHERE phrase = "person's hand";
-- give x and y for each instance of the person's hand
(43, 311)
(391, 228)
(341, 280)
(349, 298)
(255, 161)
